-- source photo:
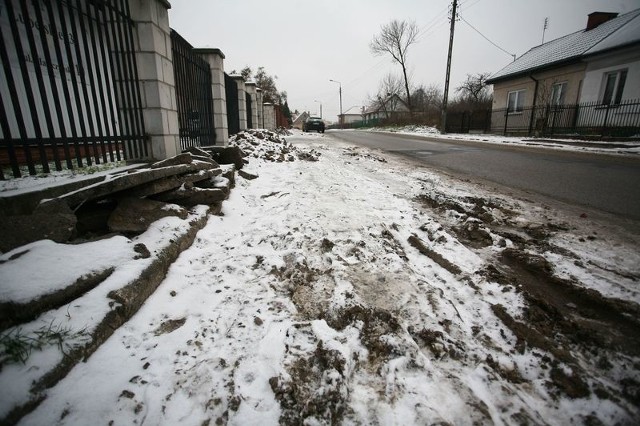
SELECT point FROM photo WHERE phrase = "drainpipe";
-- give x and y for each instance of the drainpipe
(533, 107)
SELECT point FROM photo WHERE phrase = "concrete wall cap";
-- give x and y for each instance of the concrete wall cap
(214, 51)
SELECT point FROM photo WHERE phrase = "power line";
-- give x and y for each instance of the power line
(485, 37)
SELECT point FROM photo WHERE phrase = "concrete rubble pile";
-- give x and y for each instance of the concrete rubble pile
(270, 146)
(125, 202)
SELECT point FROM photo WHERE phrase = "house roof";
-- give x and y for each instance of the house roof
(301, 117)
(354, 110)
(615, 33)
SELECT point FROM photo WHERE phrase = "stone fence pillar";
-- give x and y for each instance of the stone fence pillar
(242, 101)
(215, 59)
(252, 92)
(269, 116)
(155, 74)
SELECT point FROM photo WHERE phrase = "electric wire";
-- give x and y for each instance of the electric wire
(486, 38)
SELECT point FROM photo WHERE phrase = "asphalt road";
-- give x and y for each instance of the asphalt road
(604, 182)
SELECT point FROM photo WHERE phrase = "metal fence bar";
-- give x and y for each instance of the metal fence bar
(193, 94)
(233, 115)
(12, 88)
(69, 85)
(136, 105)
(34, 113)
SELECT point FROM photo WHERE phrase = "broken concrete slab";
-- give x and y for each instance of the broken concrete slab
(188, 196)
(247, 175)
(16, 313)
(52, 222)
(169, 183)
(123, 182)
(136, 214)
(227, 155)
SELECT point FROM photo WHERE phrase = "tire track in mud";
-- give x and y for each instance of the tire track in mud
(592, 342)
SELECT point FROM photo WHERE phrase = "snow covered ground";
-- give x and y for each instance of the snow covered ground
(364, 289)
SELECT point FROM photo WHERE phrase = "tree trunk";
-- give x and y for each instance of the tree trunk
(406, 86)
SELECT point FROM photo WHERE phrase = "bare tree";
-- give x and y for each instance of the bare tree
(428, 99)
(394, 39)
(391, 84)
(475, 88)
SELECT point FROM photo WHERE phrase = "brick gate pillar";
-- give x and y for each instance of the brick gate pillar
(155, 76)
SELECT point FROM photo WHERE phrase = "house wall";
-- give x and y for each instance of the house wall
(352, 118)
(597, 67)
(571, 74)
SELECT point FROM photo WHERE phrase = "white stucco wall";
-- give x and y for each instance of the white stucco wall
(592, 86)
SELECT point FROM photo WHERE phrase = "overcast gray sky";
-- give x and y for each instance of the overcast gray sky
(306, 43)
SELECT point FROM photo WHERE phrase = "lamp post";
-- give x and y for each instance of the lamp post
(320, 107)
(340, 92)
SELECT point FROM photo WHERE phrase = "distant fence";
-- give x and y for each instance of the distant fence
(594, 118)
(69, 90)
(194, 98)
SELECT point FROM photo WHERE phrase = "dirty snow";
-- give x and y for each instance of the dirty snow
(358, 289)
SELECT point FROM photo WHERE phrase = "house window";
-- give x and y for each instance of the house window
(613, 87)
(515, 101)
(558, 91)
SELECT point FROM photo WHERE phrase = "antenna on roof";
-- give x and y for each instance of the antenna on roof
(544, 28)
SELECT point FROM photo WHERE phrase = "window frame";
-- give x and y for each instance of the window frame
(557, 97)
(518, 103)
(612, 96)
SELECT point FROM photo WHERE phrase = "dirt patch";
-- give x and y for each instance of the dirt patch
(436, 342)
(316, 389)
(562, 318)
(474, 234)
(375, 326)
(169, 325)
(582, 314)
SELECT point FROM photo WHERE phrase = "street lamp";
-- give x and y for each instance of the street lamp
(340, 92)
(320, 107)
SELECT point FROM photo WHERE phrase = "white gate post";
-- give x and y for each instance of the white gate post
(155, 75)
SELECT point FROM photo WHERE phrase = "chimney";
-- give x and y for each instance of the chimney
(597, 18)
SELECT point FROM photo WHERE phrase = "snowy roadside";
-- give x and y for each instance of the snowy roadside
(359, 289)
(595, 147)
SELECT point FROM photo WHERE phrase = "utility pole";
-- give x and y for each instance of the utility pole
(340, 118)
(446, 81)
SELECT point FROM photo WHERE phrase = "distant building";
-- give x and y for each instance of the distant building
(350, 116)
(391, 108)
(299, 120)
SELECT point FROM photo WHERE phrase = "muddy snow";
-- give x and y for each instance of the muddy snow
(360, 288)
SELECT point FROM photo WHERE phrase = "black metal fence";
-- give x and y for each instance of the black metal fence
(193, 95)
(233, 114)
(469, 121)
(249, 109)
(69, 90)
(593, 118)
